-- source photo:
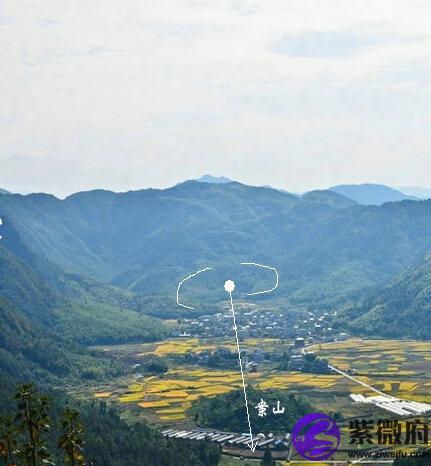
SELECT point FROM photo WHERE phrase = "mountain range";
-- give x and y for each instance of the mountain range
(365, 193)
(100, 267)
(145, 242)
(372, 194)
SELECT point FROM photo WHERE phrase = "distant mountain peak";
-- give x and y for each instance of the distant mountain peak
(328, 197)
(214, 179)
(371, 194)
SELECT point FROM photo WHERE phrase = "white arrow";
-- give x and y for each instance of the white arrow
(229, 286)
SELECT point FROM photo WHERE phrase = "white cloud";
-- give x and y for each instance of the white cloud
(125, 94)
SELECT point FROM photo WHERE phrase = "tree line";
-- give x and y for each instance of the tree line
(46, 431)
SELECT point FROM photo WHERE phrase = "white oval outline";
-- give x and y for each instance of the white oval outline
(264, 267)
(185, 279)
(247, 294)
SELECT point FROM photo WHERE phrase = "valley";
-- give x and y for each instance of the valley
(398, 368)
(87, 287)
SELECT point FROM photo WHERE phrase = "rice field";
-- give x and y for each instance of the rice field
(400, 368)
(170, 396)
(175, 347)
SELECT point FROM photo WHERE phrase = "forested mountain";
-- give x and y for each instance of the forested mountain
(40, 335)
(372, 194)
(401, 308)
(77, 308)
(146, 241)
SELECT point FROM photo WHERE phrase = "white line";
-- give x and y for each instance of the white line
(353, 379)
(182, 281)
(264, 267)
(253, 446)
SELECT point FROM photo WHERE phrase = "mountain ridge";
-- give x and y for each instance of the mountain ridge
(371, 194)
(146, 241)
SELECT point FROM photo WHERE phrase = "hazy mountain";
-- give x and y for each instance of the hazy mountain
(328, 198)
(4, 191)
(147, 241)
(214, 179)
(59, 259)
(421, 193)
(371, 194)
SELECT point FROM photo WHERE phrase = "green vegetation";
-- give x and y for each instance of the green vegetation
(71, 440)
(71, 307)
(39, 431)
(400, 309)
(29, 352)
(24, 437)
(227, 411)
(155, 365)
(101, 268)
(222, 358)
(323, 244)
(145, 241)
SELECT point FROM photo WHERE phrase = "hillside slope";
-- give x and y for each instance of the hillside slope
(401, 308)
(146, 241)
(77, 308)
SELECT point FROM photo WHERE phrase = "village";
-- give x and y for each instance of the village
(301, 328)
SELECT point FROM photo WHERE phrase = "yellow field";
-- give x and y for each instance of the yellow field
(400, 368)
(170, 395)
(195, 345)
(292, 379)
(103, 395)
(175, 394)
(175, 347)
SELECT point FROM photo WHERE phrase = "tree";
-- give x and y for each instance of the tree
(8, 440)
(33, 423)
(267, 458)
(156, 365)
(109, 441)
(71, 440)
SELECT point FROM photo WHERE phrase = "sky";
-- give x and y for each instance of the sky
(130, 94)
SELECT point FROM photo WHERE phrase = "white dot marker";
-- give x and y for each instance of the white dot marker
(229, 286)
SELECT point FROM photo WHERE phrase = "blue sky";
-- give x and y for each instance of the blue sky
(298, 94)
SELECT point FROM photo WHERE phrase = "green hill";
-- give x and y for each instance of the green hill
(400, 309)
(146, 241)
(55, 254)
(77, 308)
